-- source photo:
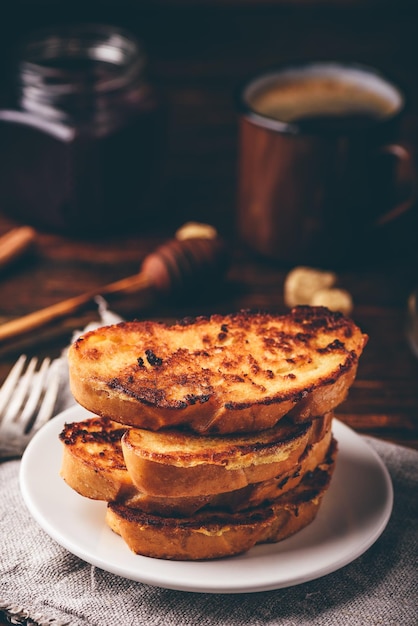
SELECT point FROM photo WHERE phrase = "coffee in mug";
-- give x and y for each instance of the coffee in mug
(317, 161)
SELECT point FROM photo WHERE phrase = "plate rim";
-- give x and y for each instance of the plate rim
(160, 578)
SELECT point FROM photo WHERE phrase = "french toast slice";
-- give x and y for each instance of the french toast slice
(216, 533)
(221, 374)
(174, 464)
(93, 465)
(251, 496)
(92, 461)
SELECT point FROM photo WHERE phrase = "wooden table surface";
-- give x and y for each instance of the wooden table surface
(198, 57)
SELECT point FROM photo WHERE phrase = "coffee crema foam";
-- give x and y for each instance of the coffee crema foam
(291, 97)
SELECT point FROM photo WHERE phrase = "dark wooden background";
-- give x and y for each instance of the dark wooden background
(200, 52)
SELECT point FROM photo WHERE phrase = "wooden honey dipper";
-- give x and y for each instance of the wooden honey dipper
(173, 266)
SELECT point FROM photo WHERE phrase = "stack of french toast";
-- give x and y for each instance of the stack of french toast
(212, 434)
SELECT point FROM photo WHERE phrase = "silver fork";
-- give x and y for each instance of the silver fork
(27, 401)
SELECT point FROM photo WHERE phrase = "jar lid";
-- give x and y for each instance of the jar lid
(68, 58)
(81, 73)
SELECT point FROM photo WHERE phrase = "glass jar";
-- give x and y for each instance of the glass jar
(81, 149)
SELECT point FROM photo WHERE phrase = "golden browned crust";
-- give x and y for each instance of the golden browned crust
(93, 465)
(92, 460)
(223, 374)
(217, 534)
(174, 464)
(251, 496)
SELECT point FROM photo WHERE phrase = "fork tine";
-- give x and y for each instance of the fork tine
(20, 393)
(10, 382)
(48, 403)
(28, 413)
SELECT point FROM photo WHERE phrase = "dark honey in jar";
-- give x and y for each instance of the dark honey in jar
(81, 150)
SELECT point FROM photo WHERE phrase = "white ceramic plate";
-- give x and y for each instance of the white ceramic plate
(353, 514)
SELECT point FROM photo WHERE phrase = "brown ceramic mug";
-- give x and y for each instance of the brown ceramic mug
(318, 166)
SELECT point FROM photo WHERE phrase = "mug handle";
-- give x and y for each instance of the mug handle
(405, 162)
